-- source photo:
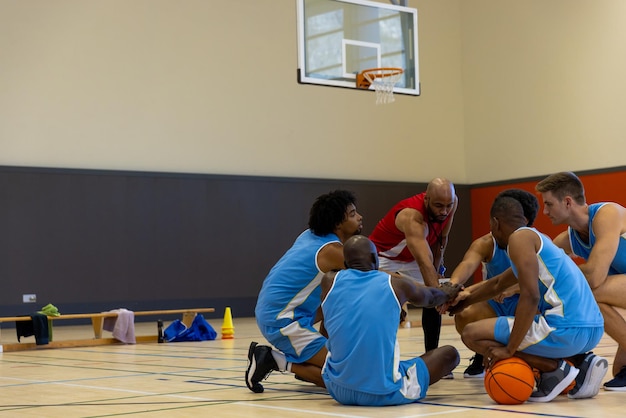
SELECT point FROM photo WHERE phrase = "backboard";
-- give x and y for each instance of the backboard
(337, 39)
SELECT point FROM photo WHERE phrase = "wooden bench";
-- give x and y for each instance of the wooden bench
(97, 321)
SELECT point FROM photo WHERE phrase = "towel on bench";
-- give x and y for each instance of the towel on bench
(122, 326)
(37, 326)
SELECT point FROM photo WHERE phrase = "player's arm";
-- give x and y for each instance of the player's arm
(480, 250)
(411, 223)
(411, 291)
(330, 257)
(562, 241)
(523, 247)
(507, 293)
(606, 226)
(327, 283)
(484, 290)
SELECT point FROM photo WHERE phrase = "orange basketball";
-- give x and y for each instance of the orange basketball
(510, 381)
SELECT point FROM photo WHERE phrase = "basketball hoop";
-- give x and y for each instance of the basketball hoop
(382, 80)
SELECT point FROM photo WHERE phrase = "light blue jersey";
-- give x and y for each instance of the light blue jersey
(498, 264)
(361, 314)
(289, 299)
(583, 249)
(569, 320)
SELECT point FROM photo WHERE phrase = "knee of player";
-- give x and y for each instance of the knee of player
(460, 321)
(601, 296)
(469, 333)
(452, 355)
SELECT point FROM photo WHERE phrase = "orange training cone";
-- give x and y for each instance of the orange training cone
(228, 330)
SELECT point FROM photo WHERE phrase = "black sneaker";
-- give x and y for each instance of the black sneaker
(592, 371)
(475, 368)
(618, 383)
(551, 384)
(260, 364)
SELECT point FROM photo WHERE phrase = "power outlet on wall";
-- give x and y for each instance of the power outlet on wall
(29, 298)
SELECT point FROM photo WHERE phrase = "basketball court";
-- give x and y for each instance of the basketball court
(372, 49)
(206, 379)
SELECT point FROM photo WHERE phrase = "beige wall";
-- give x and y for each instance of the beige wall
(209, 86)
(544, 86)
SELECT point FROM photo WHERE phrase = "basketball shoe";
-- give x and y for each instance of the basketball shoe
(551, 384)
(592, 371)
(260, 364)
(476, 368)
(618, 383)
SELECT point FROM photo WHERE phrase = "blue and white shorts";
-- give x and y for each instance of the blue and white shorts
(507, 307)
(415, 380)
(546, 341)
(298, 341)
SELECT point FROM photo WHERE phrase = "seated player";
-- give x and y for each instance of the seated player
(494, 260)
(288, 306)
(361, 308)
(597, 233)
(556, 317)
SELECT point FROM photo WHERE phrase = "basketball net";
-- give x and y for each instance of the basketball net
(383, 81)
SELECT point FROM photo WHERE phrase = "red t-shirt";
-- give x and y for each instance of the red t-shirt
(390, 241)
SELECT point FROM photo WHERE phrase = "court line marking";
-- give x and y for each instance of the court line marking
(454, 411)
(300, 410)
(110, 389)
(508, 411)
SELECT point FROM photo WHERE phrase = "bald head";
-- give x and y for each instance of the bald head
(440, 187)
(360, 253)
(440, 199)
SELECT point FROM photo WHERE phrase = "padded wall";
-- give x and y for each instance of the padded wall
(89, 240)
(600, 186)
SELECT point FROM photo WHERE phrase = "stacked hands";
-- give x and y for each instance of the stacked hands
(456, 295)
(452, 290)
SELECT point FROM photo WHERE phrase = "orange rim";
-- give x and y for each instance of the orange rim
(382, 72)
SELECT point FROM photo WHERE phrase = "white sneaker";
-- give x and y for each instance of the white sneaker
(550, 384)
(592, 371)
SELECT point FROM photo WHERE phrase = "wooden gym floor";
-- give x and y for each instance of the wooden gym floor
(206, 379)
